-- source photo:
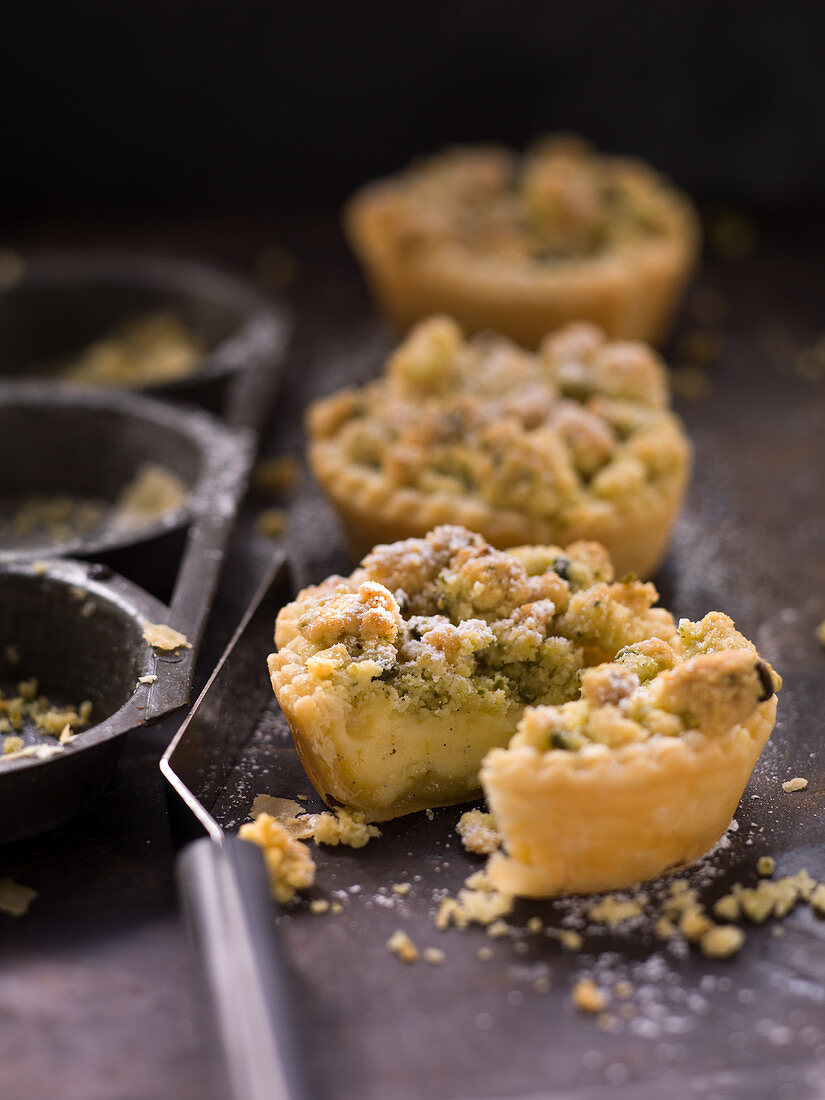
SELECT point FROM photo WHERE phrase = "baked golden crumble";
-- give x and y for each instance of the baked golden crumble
(288, 861)
(397, 680)
(164, 637)
(574, 441)
(143, 351)
(525, 244)
(641, 772)
(29, 705)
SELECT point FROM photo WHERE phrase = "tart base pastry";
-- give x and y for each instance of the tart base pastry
(524, 247)
(575, 442)
(613, 813)
(397, 680)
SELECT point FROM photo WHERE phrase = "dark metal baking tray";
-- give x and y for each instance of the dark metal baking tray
(751, 541)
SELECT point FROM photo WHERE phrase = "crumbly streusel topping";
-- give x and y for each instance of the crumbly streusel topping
(561, 200)
(582, 419)
(709, 678)
(434, 622)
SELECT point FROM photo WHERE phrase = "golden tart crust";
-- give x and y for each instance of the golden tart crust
(397, 680)
(525, 244)
(573, 442)
(606, 816)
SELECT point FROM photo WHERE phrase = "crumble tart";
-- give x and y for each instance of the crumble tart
(573, 442)
(641, 773)
(397, 680)
(523, 244)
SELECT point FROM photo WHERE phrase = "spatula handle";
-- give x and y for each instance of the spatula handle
(230, 916)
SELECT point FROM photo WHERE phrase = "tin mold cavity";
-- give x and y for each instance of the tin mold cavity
(76, 642)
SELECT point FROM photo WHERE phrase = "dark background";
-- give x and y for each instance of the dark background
(119, 105)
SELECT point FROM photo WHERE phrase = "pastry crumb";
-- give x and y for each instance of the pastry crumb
(344, 827)
(276, 476)
(271, 522)
(434, 955)
(721, 941)
(797, 784)
(485, 953)
(478, 832)
(147, 679)
(587, 996)
(161, 636)
(765, 866)
(401, 945)
(15, 898)
(401, 888)
(614, 910)
(319, 905)
(288, 861)
(12, 744)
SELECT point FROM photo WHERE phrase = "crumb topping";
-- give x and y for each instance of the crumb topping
(797, 784)
(30, 706)
(560, 201)
(582, 420)
(288, 861)
(478, 832)
(401, 945)
(161, 636)
(143, 351)
(437, 622)
(15, 898)
(708, 678)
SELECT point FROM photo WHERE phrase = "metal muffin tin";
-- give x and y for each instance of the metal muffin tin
(79, 627)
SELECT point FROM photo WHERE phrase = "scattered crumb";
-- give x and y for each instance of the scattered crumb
(434, 955)
(271, 522)
(12, 744)
(721, 941)
(30, 706)
(613, 910)
(274, 477)
(152, 493)
(797, 784)
(497, 929)
(319, 905)
(39, 568)
(161, 636)
(485, 953)
(474, 906)
(691, 383)
(15, 899)
(297, 822)
(147, 679)
(288, 862)
(570, 940)
(587, 996)
(401, 945)
(401, 888)
(478, 832)
(344, 827)
(534, 925)
(765, 866)
(336, 907)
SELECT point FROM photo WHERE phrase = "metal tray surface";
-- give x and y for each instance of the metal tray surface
(751, 541)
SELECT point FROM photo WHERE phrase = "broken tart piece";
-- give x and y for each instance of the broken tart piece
(397, 680)
(574, 442)
(641, 773)
(523, 244)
